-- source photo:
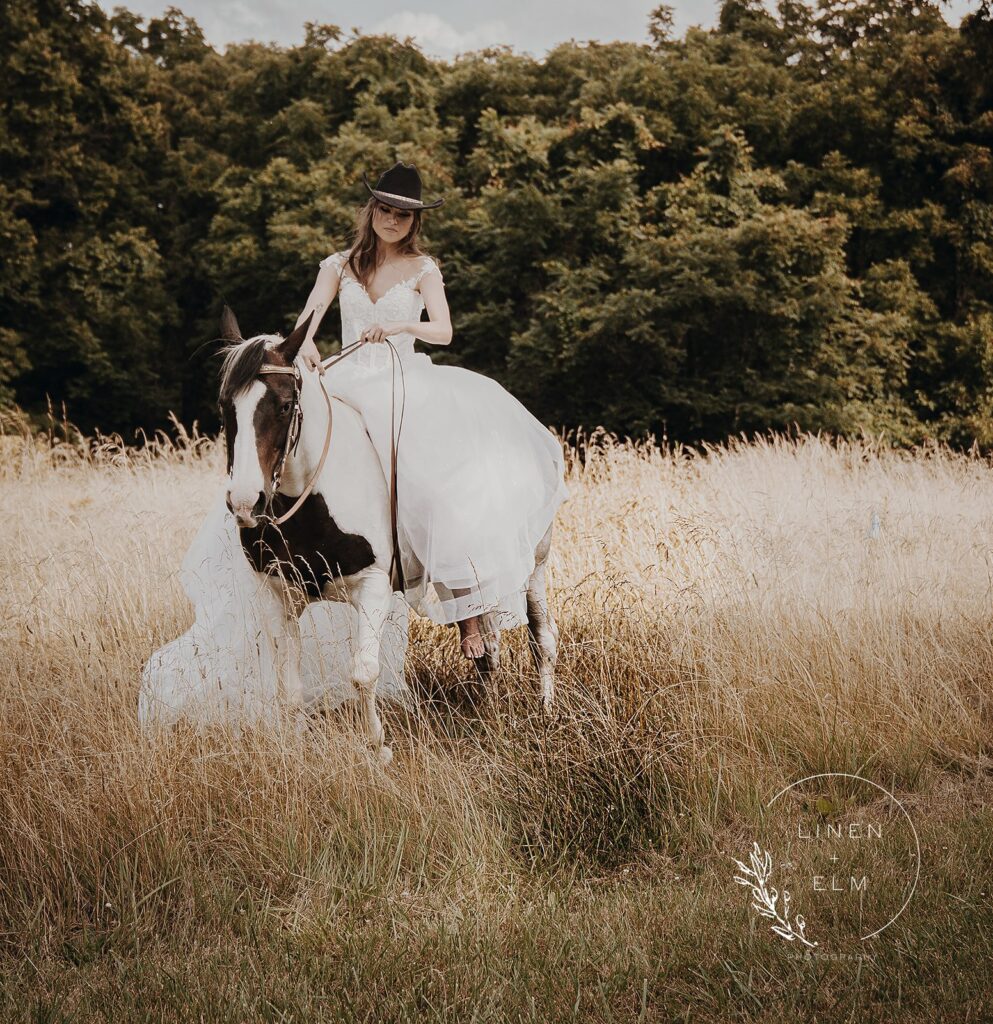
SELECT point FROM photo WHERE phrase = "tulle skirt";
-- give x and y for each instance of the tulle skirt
(224, 669)
(479, 480)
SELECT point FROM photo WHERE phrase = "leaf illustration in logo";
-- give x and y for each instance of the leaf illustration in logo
(766, 897)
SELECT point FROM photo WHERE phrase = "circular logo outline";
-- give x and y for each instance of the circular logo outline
(882, 789)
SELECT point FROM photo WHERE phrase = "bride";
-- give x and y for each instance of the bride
(478, 477)
(478, 482)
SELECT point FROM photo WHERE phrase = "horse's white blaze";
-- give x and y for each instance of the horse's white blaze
(246, 471)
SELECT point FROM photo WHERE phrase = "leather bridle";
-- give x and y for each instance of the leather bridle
(293, 436)
(296, 428)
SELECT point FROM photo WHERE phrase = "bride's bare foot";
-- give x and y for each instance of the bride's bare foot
(472, 640)
(472, 647)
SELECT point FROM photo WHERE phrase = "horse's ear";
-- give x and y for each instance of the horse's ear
(230, 331)
(289, 347)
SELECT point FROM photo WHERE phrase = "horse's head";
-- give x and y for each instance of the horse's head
(259, 408)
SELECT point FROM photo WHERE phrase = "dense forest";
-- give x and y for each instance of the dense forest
(786, 219)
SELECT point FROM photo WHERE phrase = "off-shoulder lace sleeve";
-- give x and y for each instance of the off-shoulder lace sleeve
(429, 265)
(336, 260)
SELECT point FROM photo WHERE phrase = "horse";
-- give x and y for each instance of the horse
(314, 517)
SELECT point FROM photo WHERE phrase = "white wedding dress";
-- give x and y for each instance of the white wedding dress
(479, 479)
(478, 482)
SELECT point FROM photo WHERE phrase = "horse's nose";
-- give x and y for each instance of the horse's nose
(245, 506)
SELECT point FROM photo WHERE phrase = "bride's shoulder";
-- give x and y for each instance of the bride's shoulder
(424, 265)
(336, 259)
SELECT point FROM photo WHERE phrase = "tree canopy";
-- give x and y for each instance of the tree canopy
(787, 219)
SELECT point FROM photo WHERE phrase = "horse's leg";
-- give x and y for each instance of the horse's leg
(288, 650)
(371, 595)
(542, 631)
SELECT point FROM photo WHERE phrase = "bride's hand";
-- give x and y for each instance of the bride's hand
(311, 356)
(380, 332)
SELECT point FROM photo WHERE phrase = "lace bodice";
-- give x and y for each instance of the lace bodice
(358, 311)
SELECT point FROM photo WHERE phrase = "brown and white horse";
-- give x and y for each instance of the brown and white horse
(338, 544)
(341, 551)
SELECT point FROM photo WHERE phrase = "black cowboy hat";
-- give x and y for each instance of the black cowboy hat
(400, 186)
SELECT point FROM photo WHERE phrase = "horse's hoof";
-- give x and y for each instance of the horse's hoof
(385, 755)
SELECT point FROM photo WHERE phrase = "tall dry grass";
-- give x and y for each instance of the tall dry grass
(728, 619)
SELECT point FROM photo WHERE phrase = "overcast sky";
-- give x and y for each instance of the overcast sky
(444, 28)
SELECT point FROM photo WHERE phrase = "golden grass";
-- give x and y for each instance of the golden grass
(730, 621)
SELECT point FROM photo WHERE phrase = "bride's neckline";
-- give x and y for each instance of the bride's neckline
(392, 287)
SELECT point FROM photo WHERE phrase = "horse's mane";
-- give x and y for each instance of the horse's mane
(241, 365)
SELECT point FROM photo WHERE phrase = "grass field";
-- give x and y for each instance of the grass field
(729, 621)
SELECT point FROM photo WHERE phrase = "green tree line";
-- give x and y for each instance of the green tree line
(785, 219)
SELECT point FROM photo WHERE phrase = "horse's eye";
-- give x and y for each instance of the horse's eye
(287, 406)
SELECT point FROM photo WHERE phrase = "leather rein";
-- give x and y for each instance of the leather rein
(293, 441)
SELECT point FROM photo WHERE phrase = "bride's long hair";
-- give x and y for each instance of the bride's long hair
(363, 259)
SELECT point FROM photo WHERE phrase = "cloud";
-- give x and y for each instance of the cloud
(438, 37)
(245, 19)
